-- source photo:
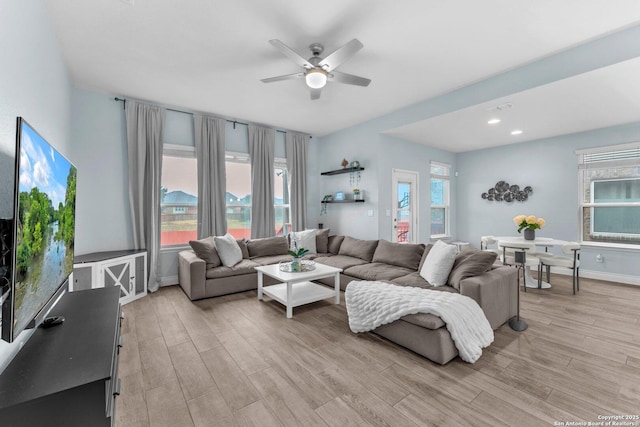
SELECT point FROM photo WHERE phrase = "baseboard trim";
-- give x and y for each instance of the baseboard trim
(600, 275)
(169, 281)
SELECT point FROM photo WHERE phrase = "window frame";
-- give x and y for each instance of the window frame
(614, 156)
(446, 198)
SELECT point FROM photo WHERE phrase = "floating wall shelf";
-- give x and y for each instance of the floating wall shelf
(344, 201)
(340, 171)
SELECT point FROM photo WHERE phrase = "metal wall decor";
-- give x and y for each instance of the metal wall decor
(503, 192)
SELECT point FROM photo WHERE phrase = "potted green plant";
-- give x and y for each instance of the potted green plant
(295, 257)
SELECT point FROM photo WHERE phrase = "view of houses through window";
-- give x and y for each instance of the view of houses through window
(179, 196)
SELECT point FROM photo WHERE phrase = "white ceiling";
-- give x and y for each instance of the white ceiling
(605, 97)
(209, 56)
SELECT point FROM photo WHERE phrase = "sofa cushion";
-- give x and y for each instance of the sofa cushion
(303, 240)
(469, 263)
(426, 320)
(414, 279)
(340, 261)
(228, 250)
(245, 266)
(243, 247)
(271, 259)
(206, 250)
(334, 243)
(399, 254)
(268, 246)
(358, 248)
(427, 248)
(322, 240)
(437, 266)
(377, 271)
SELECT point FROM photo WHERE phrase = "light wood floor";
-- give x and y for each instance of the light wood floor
(235, 361)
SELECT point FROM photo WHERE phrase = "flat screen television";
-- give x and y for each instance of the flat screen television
(39, 239)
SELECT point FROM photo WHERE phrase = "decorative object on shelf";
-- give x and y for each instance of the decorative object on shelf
(344, 163)
(339, 195)
(301, 266)
(357, 194)
(502, 191)
(354, 175)
(355, 164)
(296, 258)
(529, 224)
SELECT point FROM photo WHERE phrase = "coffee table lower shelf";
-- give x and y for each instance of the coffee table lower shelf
(301, 293)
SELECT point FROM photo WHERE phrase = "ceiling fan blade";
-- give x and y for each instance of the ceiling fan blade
(315, 93)
(349, 79)
(343, 53)
(291, 54)
(285, 77)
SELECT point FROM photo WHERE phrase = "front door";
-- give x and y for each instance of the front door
(404, 208)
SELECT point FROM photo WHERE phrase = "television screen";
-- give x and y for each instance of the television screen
(44, 225)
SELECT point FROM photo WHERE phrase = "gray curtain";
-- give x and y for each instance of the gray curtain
(296, 149)
(212, 181)
(144, 141)
(262, 142)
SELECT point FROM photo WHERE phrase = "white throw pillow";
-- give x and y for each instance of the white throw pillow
(437, 266)
(228, 250)
(304, 239)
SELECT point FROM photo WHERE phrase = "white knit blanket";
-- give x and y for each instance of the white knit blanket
(371, 304)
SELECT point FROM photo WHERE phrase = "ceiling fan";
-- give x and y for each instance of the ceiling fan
(318, 70)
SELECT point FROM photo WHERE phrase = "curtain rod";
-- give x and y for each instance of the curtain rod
(123, 100)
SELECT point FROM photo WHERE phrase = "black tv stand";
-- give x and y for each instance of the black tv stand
(67, 375)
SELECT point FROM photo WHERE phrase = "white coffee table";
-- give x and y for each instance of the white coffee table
(296, 288)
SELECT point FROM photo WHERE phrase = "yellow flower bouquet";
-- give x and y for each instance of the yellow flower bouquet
(530, 222)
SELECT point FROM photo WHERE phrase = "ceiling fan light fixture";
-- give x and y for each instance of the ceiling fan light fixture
(316, 78)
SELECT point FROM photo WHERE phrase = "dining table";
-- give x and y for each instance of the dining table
(546, 242)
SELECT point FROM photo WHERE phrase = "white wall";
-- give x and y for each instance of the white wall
(34, 84)
(103, 216)
(379, 155)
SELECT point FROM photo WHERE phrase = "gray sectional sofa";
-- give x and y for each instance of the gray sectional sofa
(492, 286)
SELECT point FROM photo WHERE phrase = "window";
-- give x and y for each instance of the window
(239, 196)
(609, 180)
(439, 200)
(179, 196)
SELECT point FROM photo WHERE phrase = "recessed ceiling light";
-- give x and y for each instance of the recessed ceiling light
(493, 121)
(516, 132)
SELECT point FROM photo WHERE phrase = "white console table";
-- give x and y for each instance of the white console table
(126, 269)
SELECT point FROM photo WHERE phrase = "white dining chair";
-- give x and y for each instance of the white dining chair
(572, 262)
(485, 241)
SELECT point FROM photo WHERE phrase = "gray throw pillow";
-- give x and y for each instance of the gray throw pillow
(334, 243)
(268, 246)
(322, 241)
(400, 254)
(205, 249)
(470, 263)
(228, 250)
(361, 249)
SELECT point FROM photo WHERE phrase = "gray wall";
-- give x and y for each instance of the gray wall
(379, 155)
(34, 84)
(550, 166)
